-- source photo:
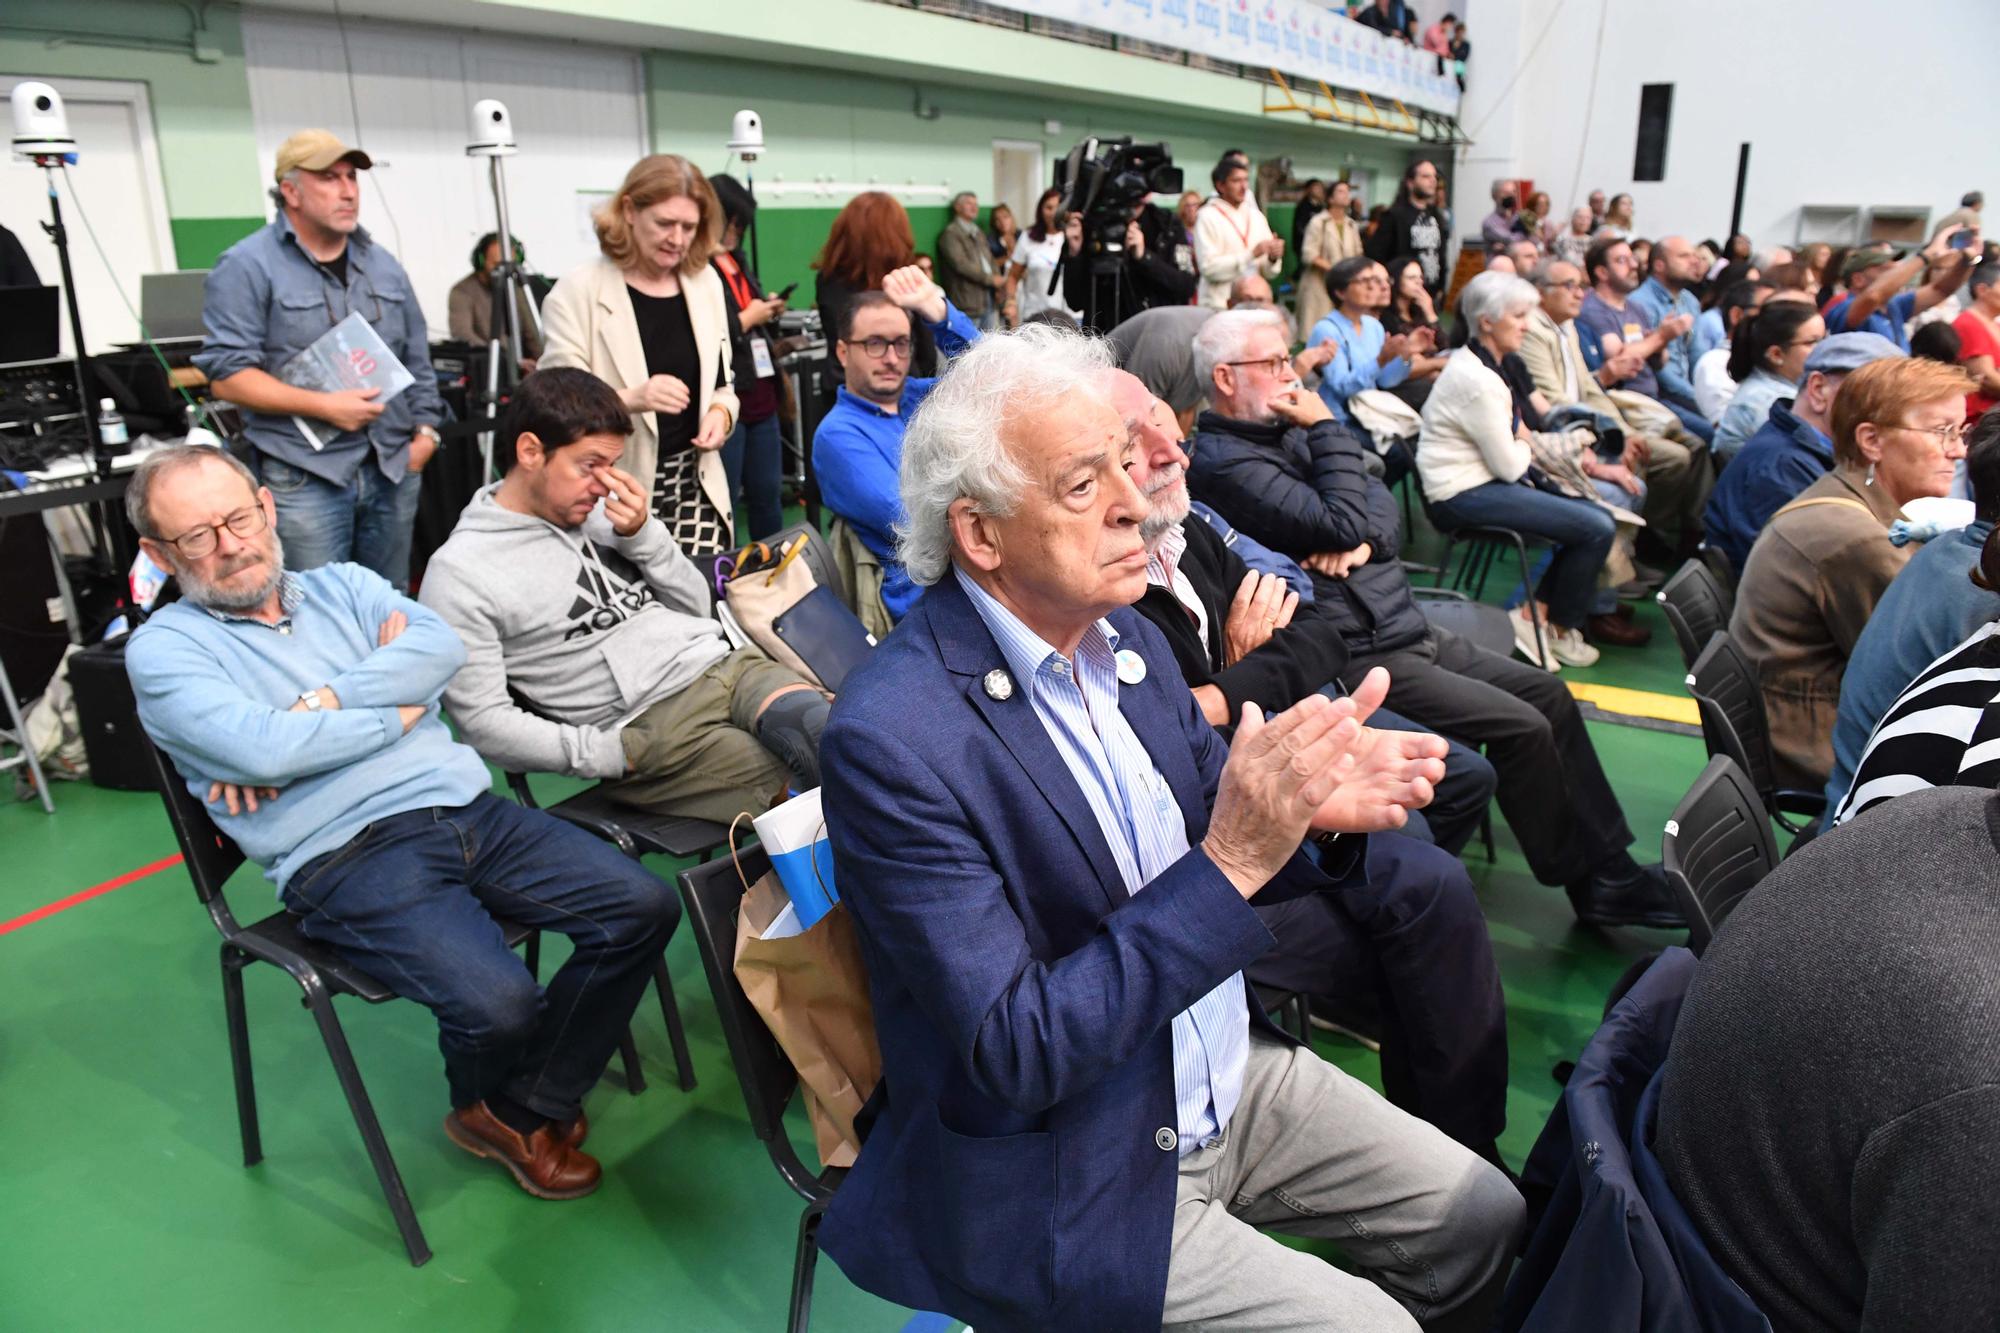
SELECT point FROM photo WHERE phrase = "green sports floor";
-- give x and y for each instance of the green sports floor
(124, 1203)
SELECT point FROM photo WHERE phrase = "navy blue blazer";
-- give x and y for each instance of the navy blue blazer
(1019, 1168)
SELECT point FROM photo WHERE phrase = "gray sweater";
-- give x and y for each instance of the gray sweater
(1831, 1108)
(590, 627)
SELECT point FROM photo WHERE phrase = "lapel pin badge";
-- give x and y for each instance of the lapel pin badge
(999, 685)
(1131, 667)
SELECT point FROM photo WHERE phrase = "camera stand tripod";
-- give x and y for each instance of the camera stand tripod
(510, 295)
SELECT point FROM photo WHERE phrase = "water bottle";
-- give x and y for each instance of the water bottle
(111, 430)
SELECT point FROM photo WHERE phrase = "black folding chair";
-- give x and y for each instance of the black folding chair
(1725, 689)
(321, 973)
(1696, 606)
(1290, 1009)
(637, 832)
(1717, 846)
(1484, 545)
(714, 896)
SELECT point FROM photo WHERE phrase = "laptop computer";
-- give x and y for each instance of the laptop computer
(30, 324)
(170, 304)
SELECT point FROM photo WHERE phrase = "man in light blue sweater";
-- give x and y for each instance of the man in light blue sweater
(303, 709)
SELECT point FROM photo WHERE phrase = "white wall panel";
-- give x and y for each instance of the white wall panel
(579, 113)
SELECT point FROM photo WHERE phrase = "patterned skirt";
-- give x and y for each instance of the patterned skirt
(692, 519)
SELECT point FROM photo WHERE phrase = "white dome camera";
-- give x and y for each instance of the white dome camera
(746, 135)
(40, 127)
(492, 130)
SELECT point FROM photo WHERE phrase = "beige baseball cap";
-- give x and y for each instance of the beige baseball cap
(316, 150)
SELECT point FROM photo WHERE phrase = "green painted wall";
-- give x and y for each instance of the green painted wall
(201, 110)
(825, 124)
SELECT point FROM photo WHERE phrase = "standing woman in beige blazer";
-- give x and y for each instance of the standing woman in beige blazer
(1330, 237)
(650, 319)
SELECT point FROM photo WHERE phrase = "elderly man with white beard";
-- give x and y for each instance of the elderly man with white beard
(1403, 951)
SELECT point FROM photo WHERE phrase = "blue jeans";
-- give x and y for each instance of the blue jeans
(368, 521)
(754, 459)
(1582, 533)
(411, 901)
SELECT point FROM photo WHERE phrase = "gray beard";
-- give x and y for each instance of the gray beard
(207, 595)
(1164, 515)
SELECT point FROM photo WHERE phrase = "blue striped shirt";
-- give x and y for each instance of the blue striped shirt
(1140, 819)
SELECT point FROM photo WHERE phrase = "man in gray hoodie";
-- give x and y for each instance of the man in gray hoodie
(569, 594)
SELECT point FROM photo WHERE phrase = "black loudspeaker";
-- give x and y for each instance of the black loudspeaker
(109, 717)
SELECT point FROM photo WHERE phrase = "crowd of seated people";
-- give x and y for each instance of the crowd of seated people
(1156, 719)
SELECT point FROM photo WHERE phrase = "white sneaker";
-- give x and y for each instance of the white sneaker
(1525, 642)
(1571, 650)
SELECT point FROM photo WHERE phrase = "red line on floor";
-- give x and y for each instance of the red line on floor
(85, 895)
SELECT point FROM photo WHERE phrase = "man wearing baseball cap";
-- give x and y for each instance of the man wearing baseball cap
(342, 466)
(1876, 301)
(1791, 450)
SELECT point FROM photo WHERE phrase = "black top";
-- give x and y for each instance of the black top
(16, 270)
(1154, 279)
(668, 337)
(1299, 490)
(1409, 230)
(1303, 657)
(1830, 1109)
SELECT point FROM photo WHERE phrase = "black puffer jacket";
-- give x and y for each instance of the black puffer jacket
(1304, 490)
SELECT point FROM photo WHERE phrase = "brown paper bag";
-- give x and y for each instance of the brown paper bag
(811, 990)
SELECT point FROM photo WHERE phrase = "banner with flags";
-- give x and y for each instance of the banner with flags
(1297, 39)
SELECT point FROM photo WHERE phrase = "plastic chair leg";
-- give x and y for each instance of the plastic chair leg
(532, 955)
(239, 1055)
(363, 1110)
(628, 1054)
(1486, 835)
(670, 1010)
(802, 1268)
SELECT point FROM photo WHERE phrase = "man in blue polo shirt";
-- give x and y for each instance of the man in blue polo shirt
(1790, 451)
(1876, 299)
(302, 708)
(858, 445)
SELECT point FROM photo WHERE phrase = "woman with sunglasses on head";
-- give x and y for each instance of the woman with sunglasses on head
(1824, 560)
(650, 317)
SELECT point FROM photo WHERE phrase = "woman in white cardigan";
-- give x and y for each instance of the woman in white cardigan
(1475, 459)
(650, 318)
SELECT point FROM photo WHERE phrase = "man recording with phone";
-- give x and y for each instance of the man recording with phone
(341, 467)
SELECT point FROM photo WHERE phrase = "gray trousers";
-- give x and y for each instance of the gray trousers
(1312, 1152)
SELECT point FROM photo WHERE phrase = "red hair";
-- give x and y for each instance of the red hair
(870, 239)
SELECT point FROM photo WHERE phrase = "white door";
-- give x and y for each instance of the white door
(118, 194)
(579, 113)
(1017, 178)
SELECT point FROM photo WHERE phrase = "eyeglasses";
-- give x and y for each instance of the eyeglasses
(1805, 342)
(1946, 436)
(879, 347)
(1272, 365)
(201, 542)
(1573, 285)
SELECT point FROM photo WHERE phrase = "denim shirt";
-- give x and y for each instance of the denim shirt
(1676, 370)
(267, 300)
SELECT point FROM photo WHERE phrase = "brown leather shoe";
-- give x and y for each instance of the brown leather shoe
(572, 1133)
(541, 1163)
(1616, 631)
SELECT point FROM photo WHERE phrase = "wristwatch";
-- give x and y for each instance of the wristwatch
(311, 700)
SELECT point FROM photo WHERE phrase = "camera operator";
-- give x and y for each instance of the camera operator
(1144, 269)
